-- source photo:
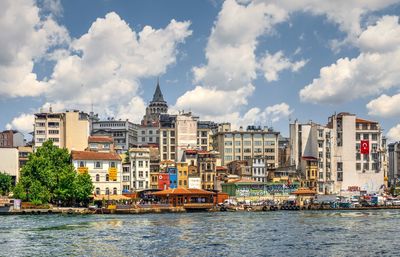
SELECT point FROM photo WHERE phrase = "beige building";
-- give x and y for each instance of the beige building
(246, 144)
(9, 162)
(68, 129)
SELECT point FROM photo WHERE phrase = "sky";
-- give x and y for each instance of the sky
(260, 62)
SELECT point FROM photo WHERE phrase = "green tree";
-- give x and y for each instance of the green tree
(83, 188)
(49, 176)
(5, 183)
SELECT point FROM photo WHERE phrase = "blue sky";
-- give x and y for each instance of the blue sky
(246, 62)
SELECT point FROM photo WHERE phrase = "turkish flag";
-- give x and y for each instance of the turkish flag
(364, 146)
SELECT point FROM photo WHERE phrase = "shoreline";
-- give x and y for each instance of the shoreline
(138, 211)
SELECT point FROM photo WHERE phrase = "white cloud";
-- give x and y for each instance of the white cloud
(273, 64)
(382, 37)
(384, 106)
(24, 123)
(368, 74)
(106, 72)
(25, 38)
(277, 112)
(394, 133)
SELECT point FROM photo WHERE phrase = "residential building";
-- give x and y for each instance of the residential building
(334, 153)
(242, 169)
(183, 172)
(394, 162)
(140, 168)
(258, 169)
(23, 155)
(173, 177)
(244, 145)
(68, 129)
(104, 169)
(177, 133)
(123, 132)
(154, 166)
(101, 144)
(9, 162)
(11, 138)
(207, 169)
(205, 133)
(283, 151)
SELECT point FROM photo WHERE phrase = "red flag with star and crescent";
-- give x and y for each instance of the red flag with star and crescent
(364, 146)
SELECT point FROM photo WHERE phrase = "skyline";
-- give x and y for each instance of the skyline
(260, 62)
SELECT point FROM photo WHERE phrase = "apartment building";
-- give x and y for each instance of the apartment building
(394, 162)
(68, 129)
(11, 138)
(258, 169)
(335, 153)
(123, 132)
(140, 168)
(246, 144)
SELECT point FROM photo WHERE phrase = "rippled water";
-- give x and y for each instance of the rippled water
(328, 233)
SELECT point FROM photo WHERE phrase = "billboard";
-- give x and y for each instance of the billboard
(112, 173)
(163, 181)
(195, 182)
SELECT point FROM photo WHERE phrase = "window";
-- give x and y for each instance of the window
(320, 133)
(125, 178)
(358, 136)
(374, 147)
(374, 137)
(107, 177)
(321, 175)
(114, 190)
(97, 165)
(374, 166)
(358, 147)
(237, 150)
(81, 164)
(172, 133)
(97, 191)
(228, 143)
(53, 132)
(147, 164)
(140, 184)
(340, 176)
(247, 150)
(107, 191)
(365, 136)
(358, 156)
(164, 133)
(141, 173)
(258, 143)
(340, 166)
(366, 166)
(125, 188)
(228, 150)
(97, 177)
(358, 166)
(112, 164)
(140, 164)
(143, 132)
(320, 144)
(237, 143)
(247, 143)
(150, 132)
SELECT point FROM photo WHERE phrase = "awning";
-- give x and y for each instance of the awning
(111, 197)
(182, 191)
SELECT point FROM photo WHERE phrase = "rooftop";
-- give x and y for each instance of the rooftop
(100, 139)
(88, 155)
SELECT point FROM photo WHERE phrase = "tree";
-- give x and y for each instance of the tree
(83, 188)
(5, 183)
(49, 176)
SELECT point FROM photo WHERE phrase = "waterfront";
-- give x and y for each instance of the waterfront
(311, 233)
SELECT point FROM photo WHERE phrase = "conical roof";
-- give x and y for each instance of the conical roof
(158, 96)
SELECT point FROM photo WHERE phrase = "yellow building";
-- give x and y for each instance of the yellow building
(183, 171)
(310, 166)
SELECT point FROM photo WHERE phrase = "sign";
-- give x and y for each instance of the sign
(112, 174)
(83, 170)
(265, 189)
(17, 204)
(364, 146)
(194, 183)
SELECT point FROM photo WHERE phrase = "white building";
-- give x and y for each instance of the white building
(340, 165)
(140, 168)
(105, 169)
(394, 162)
(68, 129)
(9, 162)
(258, 169)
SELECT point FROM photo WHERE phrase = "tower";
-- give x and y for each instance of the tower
(156, 107)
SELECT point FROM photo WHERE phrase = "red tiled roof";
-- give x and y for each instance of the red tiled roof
(88, 155)
(183, 191)
(358, 120)
(100, 139)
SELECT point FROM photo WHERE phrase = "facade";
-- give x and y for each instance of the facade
(163, 181)
(68, 129)
(205, 134)
(394, 162)
(104, 169)
(207, 167)
(23, 155)
(283, 152)
(336, 147)
(101, 144)
(183, 172)
(140, 167)
(258, 169)
(9, 163)
(11, 138)
(177, 133)
(244, 145)
(123, 132)
(173, 177)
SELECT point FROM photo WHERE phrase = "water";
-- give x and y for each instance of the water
(319, 233)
